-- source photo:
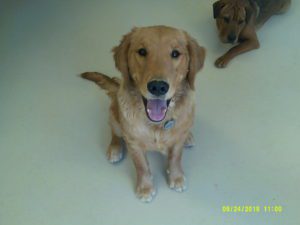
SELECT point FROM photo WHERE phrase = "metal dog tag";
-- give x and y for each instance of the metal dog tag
(169, 124)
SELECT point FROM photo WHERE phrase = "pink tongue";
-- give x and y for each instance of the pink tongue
(156, 109)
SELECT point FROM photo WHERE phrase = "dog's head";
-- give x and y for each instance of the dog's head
(231, 17)
(157, 61)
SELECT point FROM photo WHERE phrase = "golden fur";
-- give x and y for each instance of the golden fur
(128, 119)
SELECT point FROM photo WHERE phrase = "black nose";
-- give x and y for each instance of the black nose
(158, 88)
(231, 37)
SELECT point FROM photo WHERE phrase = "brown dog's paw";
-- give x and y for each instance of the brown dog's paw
(177, 183)
(222, 62)
(145, 193)
(115, 153)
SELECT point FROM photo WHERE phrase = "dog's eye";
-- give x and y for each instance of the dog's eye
(226, 19)
(241, 22)
(175, 54)
(142, 52)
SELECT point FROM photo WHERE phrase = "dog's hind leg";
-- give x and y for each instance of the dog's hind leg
(189, 142)
(116, 149)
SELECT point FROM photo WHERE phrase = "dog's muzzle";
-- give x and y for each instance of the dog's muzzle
(231, 38)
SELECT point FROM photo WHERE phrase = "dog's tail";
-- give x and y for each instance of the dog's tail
(110, 85)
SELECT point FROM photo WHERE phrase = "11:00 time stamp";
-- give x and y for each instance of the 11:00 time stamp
(252, 209)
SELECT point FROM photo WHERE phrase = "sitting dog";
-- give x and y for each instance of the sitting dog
(152, 106)
(237, 21)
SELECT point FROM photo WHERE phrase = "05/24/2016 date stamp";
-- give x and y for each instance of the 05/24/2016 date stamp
(252, 209)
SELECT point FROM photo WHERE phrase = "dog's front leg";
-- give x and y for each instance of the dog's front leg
(144, 188)
(244, 46)
(175, 173)
(248, 43)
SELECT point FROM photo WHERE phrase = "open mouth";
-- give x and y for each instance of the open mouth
(156, 109)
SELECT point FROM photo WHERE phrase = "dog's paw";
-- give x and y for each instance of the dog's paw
(222, 62)
(115, 153)
(177, 183)
(145, 193)
(189, 142)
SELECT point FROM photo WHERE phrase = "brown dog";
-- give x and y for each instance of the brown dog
(237, 21)
(152, 107)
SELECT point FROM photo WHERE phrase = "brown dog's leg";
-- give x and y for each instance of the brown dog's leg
(248, 43)
(115, 152)
(175, 173)
(144, 188)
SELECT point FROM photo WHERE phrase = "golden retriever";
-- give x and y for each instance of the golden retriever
(152, 107)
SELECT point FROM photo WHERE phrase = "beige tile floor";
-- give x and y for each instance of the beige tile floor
(54, 130)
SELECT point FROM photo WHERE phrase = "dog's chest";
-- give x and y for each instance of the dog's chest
(159, 137)
(146, 136)
(163, 136)
(141, 134)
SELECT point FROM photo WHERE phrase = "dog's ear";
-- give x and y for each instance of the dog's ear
(121, 55)
(217, 6)
(196, 60)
